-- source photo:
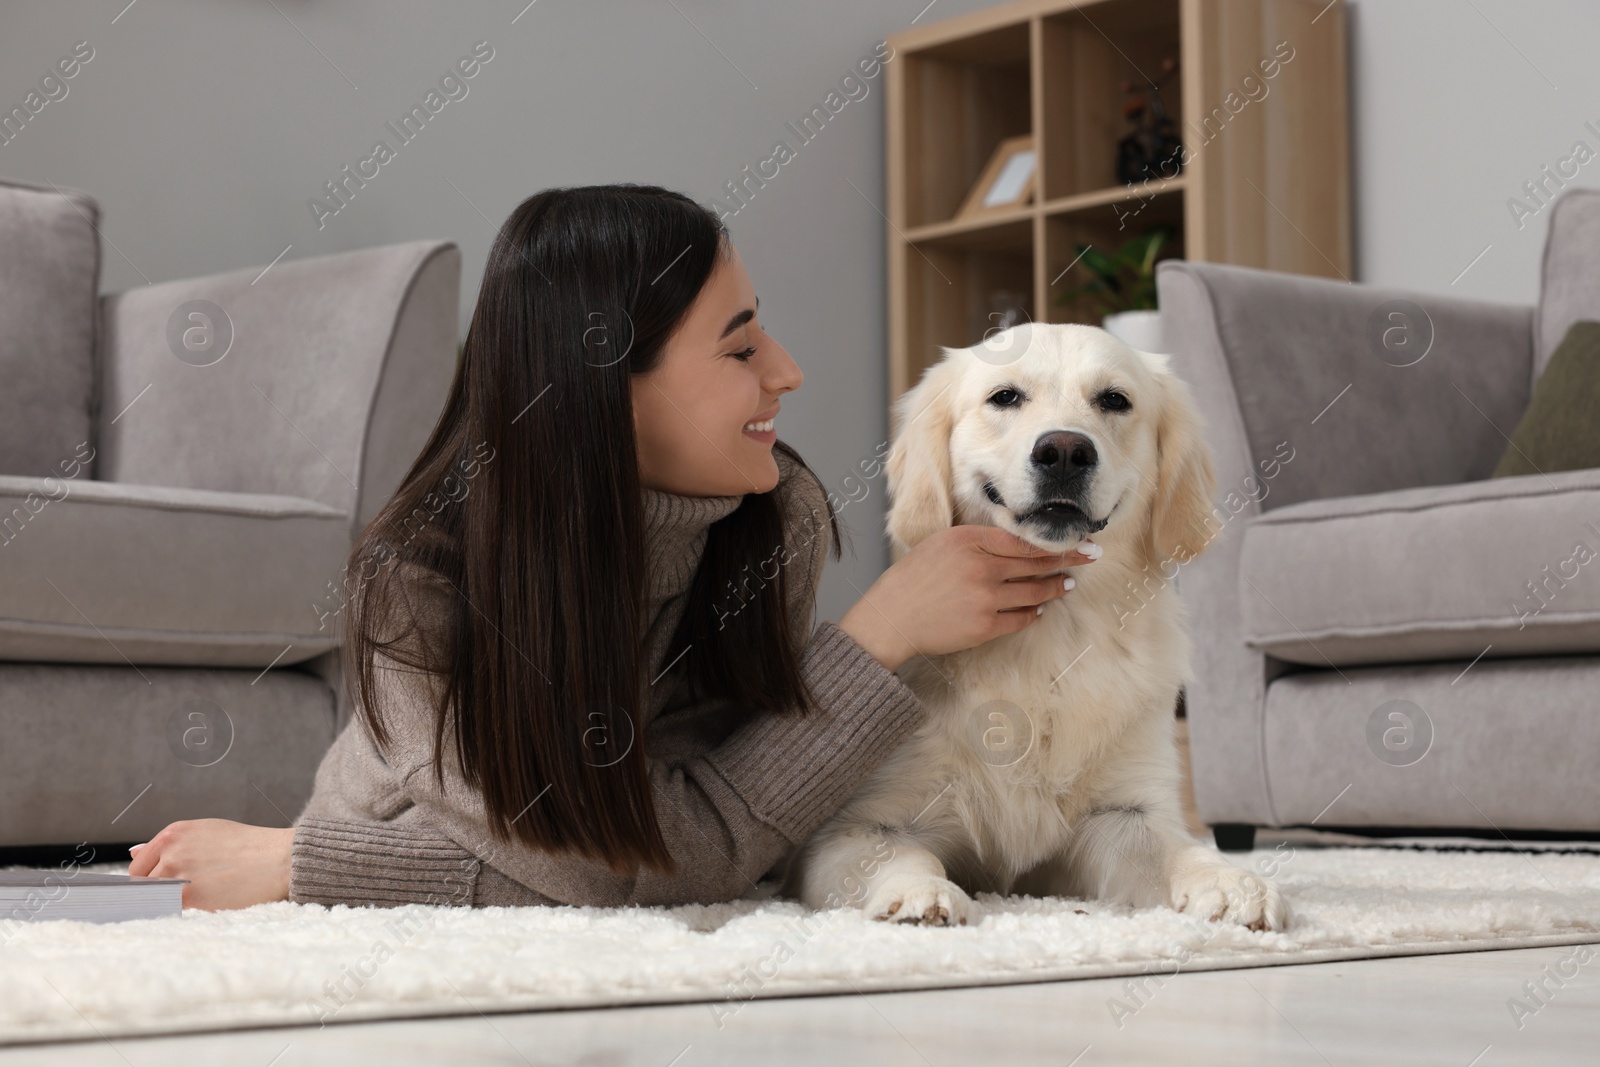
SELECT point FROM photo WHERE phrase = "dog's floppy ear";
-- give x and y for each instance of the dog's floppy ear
(919, 459)
(1181, 520)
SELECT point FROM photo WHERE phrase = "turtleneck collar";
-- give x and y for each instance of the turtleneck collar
(675, 529)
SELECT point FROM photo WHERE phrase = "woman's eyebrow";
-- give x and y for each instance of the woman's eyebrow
(739, 319)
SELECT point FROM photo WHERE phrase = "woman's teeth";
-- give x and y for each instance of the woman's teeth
(759, 427)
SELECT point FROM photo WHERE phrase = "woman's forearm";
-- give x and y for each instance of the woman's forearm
(866, 623)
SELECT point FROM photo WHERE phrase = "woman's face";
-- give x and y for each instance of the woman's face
(703, 416)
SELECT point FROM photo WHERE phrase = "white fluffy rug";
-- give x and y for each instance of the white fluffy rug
(288, 964)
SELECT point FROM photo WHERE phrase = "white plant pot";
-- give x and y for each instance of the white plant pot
(1139, 329)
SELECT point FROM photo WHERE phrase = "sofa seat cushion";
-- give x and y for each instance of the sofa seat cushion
(1503, 566)
(107, 572)
(1510, 746)
(49, 285)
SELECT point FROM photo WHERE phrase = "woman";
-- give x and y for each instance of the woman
(591, 677)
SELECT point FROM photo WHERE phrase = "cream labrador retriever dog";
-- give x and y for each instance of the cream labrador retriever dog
(1047, 764)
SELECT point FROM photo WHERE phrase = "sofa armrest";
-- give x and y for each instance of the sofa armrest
(318, 378)
(1299, 403)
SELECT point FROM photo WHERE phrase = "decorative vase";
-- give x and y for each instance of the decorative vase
(1139, 329)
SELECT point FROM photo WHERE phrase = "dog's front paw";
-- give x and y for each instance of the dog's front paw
(1206, 885)
(919, 898)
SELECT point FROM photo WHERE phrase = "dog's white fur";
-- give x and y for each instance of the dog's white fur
(1084, 802)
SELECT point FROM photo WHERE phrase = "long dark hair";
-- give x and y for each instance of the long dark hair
(538, 547)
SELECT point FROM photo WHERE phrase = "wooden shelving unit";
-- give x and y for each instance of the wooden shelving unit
(1266, 183)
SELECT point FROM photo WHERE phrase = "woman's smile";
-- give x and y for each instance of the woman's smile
(761, 429)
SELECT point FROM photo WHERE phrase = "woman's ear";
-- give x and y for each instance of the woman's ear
(1181, 520)
(919, 459)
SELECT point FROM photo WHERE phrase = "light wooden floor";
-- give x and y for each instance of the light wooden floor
(1444, 1010)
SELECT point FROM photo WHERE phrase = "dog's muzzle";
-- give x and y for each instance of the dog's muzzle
(1063, 464)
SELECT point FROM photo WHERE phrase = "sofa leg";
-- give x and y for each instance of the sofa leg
(1234, 836)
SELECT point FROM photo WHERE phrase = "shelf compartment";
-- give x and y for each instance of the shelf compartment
(955, 292)
(1105, 224)
(1087, 54)
(961, 99)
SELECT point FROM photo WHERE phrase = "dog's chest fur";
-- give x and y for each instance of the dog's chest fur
(1074, 681)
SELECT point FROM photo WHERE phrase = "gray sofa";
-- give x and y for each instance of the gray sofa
(183, 468)
(1385, 636)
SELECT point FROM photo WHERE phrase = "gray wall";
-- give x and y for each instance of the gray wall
(1454, 106)
(203, 128)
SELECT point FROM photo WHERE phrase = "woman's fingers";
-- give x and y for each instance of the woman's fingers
(956, 589)
(1032, 578)
(1087, 551)
(143, 859)
(167, 844)
(1037, 593)
(1030, 592)
(1028, 566)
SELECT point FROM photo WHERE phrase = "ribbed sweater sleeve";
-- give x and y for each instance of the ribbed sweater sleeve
(381, 864)
(727, 815)
(793, 771)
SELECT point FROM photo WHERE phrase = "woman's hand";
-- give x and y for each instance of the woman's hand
(229, 864)
(956, 589)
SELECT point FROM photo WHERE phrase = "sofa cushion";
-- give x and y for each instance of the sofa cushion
(1510, 746)
(1502, 566)
(84, 741)
(49, 281)
(108, 572)
(1560, 431)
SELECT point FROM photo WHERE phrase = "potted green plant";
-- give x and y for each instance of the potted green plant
(1122, 287)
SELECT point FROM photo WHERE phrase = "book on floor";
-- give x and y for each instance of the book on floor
(33, 896)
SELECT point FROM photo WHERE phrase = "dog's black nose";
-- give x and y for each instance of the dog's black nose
(1066, 453)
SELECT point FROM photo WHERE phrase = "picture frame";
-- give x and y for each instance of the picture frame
(1008, 180)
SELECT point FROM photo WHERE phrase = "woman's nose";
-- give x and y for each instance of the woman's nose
(784, 375)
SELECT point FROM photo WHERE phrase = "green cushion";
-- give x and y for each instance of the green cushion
(1560, 431)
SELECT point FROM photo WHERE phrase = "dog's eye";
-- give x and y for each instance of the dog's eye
(1113, 400)
(1005, 398)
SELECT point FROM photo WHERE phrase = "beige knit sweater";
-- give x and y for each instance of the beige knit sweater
(734, 790)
